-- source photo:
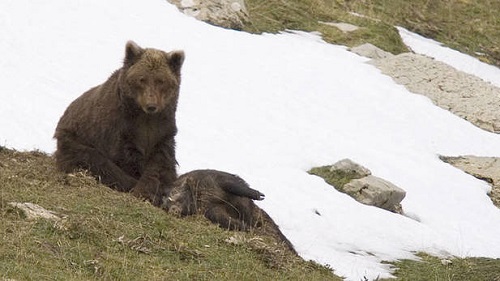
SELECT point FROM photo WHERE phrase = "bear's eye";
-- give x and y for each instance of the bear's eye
(142, 80)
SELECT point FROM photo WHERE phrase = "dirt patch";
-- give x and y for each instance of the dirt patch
(462, 94)
(484, 168)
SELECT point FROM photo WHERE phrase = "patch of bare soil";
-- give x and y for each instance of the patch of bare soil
(484, 168)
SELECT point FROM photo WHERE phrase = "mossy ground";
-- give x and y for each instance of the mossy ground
(335, 178)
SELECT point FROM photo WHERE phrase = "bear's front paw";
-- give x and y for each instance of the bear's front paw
(139, 192)
(150, 192)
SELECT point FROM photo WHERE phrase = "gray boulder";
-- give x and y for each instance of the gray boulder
(225, 13)
(358, 182)
(377, 192)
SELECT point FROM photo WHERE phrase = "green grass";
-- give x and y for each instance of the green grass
(277, 15)
(432, 269)
(473, 27)
(108, 235)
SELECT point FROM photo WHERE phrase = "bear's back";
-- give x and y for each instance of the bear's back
(93, 117)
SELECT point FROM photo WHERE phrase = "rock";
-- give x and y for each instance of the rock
(349, 167)
(446, 262)
(34, 211)
(463, 94)
(370, 51)
(484, 168)
(344, 27)
(358, 182)
(375, 191)
(225, 13)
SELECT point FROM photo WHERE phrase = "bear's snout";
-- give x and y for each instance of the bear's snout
(151, 108)
(151, 102)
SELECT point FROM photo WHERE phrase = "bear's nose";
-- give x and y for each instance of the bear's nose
(151, 108)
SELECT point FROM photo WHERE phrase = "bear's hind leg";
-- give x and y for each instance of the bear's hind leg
(220, 215)
(71, 155)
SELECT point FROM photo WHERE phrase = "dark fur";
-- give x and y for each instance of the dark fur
(123, 130)
(224, 199)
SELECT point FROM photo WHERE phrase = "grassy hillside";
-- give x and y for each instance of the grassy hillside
(472, 27)
(108, 235)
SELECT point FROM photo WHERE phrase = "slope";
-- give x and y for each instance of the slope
(107, 235)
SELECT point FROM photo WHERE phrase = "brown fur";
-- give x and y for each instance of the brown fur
(224, 199)
(123, 130)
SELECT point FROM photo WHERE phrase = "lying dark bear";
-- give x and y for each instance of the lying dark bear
(123, 130)
(223, 198)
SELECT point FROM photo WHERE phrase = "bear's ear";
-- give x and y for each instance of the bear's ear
(132, 52)
(175, 60)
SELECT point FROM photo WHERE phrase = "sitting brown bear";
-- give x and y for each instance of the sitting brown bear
(123, 130)
(224, 199)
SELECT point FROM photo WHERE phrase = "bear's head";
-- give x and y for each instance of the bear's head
(182, 198)
(151, 78)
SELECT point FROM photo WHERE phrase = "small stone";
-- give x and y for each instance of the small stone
(344, 27)
(347, 166)
(446, 262)
(370, 51)
(34, 211)
(235, 6)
